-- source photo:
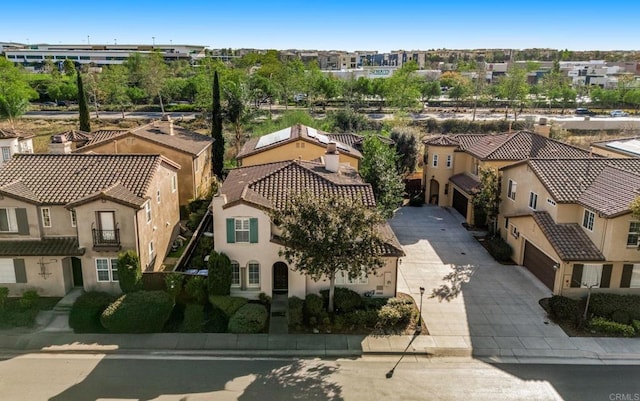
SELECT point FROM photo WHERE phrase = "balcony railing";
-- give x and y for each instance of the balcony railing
(106, 238)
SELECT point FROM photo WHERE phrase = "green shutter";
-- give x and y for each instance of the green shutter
(21, 272)
(627, 271)
(23, 222)
(576, 276)
(605, 280)
(253, 230)
(231, 231)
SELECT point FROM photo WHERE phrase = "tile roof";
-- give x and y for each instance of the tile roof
(567, 179)
(612, 192)
(568, 239)
(61, 246)
(521, 145)
(298, 131)
(6, 133)
(102, 136)
(355, 140)
(442, 140)
(465, 182)
(76, 136)
(65, 178)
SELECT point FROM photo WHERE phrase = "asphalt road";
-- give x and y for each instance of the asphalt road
(66, 377)
(105, 115)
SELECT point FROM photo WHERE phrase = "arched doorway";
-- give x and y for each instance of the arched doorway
(434, 191)
(280, 277)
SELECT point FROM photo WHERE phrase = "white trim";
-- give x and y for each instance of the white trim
(74, 218)
(46, 217)
(533, 200)
(588, 222)
(12, 221)
(250, 265)
(111, 267)
(147, 211)
(235, 265)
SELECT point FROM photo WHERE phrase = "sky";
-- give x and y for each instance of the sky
(328, 25)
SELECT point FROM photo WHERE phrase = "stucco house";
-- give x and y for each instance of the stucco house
(452, 162)
(569, 222)
(297, 142)
(64, 218)
(192, 151)
(13, 141)
(244, 231)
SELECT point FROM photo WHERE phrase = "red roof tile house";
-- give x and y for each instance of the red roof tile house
(569, 222)
(244, 231)
(64, 218)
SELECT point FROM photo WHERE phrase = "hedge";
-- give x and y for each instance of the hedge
(499, 249)
(602, 325)
(313, 308)
(217, 321)
(138, 312)
(227, 304)
(605, 304)
(250, 319)
(193, 319)
(84, 316)
(396, 313)
(563, 308)
(296, 314)
(344, 299)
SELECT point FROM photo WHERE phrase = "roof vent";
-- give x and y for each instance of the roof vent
(332, 158)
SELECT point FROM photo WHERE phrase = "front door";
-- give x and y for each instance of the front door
(76, 266)
(280, 277)
(434, 192)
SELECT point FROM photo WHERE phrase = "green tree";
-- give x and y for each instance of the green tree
(217, 150)
(219, 274)
(378, 168)
(406, 145)
(606, 98)
(325, 234)
(514, 88)
(83, 109)
(430, 89)
(129, 271)
(404, 86)
(632, 98)
(488, 196)
(154, 76)
(15, 92)
(236, 108)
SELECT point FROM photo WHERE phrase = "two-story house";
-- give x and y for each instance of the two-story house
(192, 151)
(452, 163)
(12, 142)
(296, 142)
(569, 222)
(244, 231)
(65, 217)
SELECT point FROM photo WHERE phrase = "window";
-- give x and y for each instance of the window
(158, 196)
(147, 211)
(7, 271)
(174, 183)
(151, 250)
(342, 277)
(8, 222)
(587, 220)
(476, 166)
(634, 234)
(449, 161)
(235, 274)
(635, 276)
(506, 223)
(591, 275)
(242, 230)
(74, 220)
(46, 216)
(254, 274)
(107, 269)
(435, 160)
(533, 200)
(6, 153)
(511, 190)
(551, 202)
(514, 231)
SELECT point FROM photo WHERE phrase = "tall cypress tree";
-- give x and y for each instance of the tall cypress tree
(85, 125)
(217, 150)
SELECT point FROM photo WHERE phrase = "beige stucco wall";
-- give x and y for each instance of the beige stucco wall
(33, 217)
(58, 275)
(441, 173)
(60, 222)
(302, 149)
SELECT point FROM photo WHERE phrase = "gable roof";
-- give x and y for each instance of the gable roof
(568, 239)
(6, 133)
(292, 134)
(356, 141)
(75, 136)
(612, 191)
(183, 140)
(66, 178)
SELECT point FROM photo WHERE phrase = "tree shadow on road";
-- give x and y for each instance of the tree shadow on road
(452, 286)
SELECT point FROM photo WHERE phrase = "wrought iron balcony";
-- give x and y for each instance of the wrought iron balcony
(106, 238)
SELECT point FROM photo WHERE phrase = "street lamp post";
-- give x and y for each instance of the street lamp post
(419, 328)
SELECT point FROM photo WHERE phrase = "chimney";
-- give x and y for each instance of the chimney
(166, 125)
(59, 144)
(332, 158)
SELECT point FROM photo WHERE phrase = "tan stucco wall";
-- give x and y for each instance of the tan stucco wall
(33, 217)
(56, 284)
(60, 222)
(293, 150)
(441, 173)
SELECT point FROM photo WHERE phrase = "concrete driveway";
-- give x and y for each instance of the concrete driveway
(470, 300)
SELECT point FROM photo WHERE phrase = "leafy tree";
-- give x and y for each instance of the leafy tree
(404, 86)
(459, 85)
(129, 271)
(114, 87)
(632, 98)
(325, 234)
(217, 150)
(378, 168)
(605, 97)
(236, 110)
(154, 71)
(15, 92)
(406, 145)
(488, 196)
(514, 88)
(219, 274)
(430, 89)
(83, 109)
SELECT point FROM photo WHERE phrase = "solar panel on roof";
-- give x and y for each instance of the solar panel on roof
(274, 137)
(313, 133)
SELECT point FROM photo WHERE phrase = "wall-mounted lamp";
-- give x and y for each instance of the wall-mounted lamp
(555, 266)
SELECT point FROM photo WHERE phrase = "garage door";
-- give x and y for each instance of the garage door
(539, 264)
(460, 202)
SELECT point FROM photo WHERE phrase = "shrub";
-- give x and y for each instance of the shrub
(216, 322)
(138, 312)
(173, 283)
(296, 315)
(196, 288)
(249, 319)
(219, 274)
(636, 326)
(29, 298)
(228, 305)
(563, 308)
(4, 294)
(499, 249)
(396, 312)
(193, 319)
(346, 300)
(621, 317)
(361, 318)
(264, 299)
(603, 325)
(129, 271)
(605, 304)
(313, 307)
(85, 312)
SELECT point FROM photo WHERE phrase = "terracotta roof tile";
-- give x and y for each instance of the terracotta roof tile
(465, 182)
(521, 145)
(611, 192)
(6, 133)
(442, 140)
(62, 246)
(568, 239)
